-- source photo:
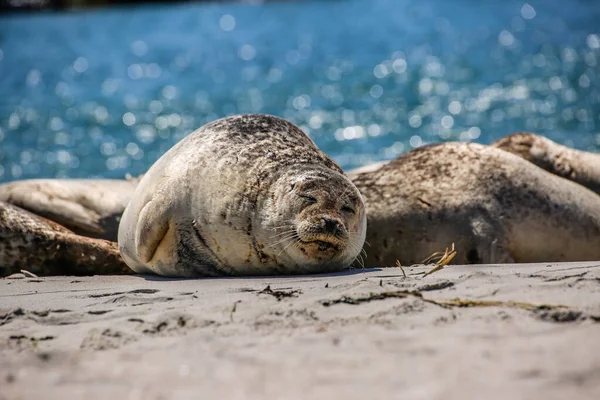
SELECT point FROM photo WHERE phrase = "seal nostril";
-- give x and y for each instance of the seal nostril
(330, 224)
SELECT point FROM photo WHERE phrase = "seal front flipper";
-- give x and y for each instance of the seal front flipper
(150, 230)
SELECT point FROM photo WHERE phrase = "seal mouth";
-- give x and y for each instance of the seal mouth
(322, 245)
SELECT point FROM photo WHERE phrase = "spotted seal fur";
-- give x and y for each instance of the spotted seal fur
(43, 247)
(243, 195)
(495, 206)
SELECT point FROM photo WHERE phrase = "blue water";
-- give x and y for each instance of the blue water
(106, 92)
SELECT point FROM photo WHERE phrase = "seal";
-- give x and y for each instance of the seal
(367, 168)
(578, 166)
(88, 207)
(243, 195)
(28, 241)
(496, 208)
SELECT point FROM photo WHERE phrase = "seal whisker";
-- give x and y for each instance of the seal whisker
(360, 261)
(363, 251)
(283, 240)
(283, 233)
(289, 235)
(293, 242)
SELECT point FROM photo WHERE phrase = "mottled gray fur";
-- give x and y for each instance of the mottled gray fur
(43, 247)
(244, 195)
(496, 207)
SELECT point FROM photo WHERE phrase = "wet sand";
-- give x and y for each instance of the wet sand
(465, 332)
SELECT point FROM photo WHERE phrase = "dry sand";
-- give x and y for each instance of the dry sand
(141, 337)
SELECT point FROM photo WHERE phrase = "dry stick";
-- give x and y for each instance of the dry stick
(444, 260)
(401, 269)
(233, 309)
(445, 303)
(279, 294)
(493, 303)
(29, 274)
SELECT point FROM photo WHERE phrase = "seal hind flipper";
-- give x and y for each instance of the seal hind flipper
(88, 207)
(581, 167)
(43, 247)
(64, 211)
(151, 228)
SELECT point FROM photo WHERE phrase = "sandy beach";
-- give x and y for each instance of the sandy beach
(512, 331)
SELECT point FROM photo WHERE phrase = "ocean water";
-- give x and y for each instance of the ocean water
(105, 92)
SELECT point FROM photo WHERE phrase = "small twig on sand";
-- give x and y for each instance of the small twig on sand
(443, 259)
(494, 303)
(401, 269)
(29, 274)
(446, 303)
(233, 309)
(279, 294)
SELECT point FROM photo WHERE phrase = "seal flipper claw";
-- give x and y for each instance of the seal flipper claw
(152, 226)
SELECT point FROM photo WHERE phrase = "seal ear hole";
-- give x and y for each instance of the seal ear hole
(292, 186)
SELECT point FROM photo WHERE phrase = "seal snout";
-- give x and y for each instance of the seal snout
(332, 226)
(322, 237)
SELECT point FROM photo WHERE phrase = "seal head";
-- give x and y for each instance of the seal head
(321, 225)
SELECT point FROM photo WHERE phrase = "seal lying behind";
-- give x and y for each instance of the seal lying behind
(244, 195)
(578, 166)
(43, 247)
(496, 207)
(89, 207)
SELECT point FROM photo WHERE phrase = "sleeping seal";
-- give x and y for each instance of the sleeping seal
(243, 195)
(43, 247)
(496, 207)
(578, 166)
(89, 207)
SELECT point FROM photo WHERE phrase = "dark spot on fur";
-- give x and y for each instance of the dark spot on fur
(472, 257)
(262, 257)
(426, 203)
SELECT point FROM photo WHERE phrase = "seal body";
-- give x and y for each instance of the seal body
(578, 166)
(33, 243)
(89, 207)
(244, 195)
(496, 208)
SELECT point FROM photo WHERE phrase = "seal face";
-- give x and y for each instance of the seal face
(496, 208)
(243, 195)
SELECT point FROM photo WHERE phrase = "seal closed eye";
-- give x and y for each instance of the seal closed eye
(243, 195)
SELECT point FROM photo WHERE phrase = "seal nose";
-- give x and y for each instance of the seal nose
(330, 224)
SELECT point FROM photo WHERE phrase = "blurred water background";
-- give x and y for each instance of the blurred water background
(103, 93)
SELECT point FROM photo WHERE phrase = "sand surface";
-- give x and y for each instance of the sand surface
(142, 337)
